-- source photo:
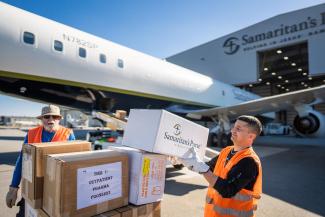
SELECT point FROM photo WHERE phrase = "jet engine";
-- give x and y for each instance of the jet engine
(311, 125)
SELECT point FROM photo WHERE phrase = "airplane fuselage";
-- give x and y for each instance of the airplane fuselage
(66, 66)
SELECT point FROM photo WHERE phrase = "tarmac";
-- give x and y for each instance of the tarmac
(293, 178)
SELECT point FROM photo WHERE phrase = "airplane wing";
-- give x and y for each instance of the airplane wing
(265, 104)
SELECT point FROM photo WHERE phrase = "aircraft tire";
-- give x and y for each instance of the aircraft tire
(98, 147)
(178, 166)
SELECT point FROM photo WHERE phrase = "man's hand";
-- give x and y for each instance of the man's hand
(11, 197)
(194, 163)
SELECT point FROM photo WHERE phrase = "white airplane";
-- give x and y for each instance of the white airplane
(46, 61)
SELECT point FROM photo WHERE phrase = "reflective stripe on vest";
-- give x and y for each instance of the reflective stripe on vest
(238, 196)
(228, 211)
(242, 197)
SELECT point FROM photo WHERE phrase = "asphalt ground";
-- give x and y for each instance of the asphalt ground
(293, 179)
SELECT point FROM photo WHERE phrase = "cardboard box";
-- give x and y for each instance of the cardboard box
(120, 114)
(85, 183)
(149, 210)
(146, 210)
(31, 212)
(127, 211)
(162, 132)
(112, 213)
(147, 175)
(33, 166)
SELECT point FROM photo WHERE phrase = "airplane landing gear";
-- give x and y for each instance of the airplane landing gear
(224, 140)
(219, 140)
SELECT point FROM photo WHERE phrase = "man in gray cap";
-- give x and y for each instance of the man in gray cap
(49, 131)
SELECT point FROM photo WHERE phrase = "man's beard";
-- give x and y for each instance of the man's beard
(51, 127)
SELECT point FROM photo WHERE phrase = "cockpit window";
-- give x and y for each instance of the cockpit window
(82, 52)
(29, 38)
(58, 45)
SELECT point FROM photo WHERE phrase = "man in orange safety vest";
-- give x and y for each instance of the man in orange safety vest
(49, 131)
(235, 175)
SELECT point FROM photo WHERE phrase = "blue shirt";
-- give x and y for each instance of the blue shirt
(46, 137)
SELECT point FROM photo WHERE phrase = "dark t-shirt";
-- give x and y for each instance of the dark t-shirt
(242, 175)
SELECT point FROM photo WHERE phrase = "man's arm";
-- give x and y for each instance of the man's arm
(212, 163)
(210, 177)
(242, 175)
(11, 196)
(17, 172)
(71, 136)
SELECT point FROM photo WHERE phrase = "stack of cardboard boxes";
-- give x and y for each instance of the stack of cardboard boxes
(77, 182)
(150, 136)
(34, 165)
(86, 183)
(123, 181)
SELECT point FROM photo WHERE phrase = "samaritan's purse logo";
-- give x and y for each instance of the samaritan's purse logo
(231, 45)
(175, 136)
(177, 128)
(279, 33)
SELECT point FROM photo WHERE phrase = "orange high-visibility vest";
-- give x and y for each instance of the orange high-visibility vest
(244, 203)
(35, 135)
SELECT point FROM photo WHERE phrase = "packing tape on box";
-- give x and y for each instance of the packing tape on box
(50, 205)
(27, 166)
(50, 169)
(27, 148)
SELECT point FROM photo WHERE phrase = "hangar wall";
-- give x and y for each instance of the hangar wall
(233, 58)
(251, 58)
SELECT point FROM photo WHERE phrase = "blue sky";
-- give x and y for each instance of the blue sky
(159, 28)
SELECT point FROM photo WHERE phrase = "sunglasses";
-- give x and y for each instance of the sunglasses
(55, 117)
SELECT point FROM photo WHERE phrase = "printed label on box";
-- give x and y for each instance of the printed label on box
(27, 167)
(157, 177)
(98, 184)
(153, 181)
(146, 166)
(145, 177)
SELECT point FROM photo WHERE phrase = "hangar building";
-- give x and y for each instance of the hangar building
(278, 55)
